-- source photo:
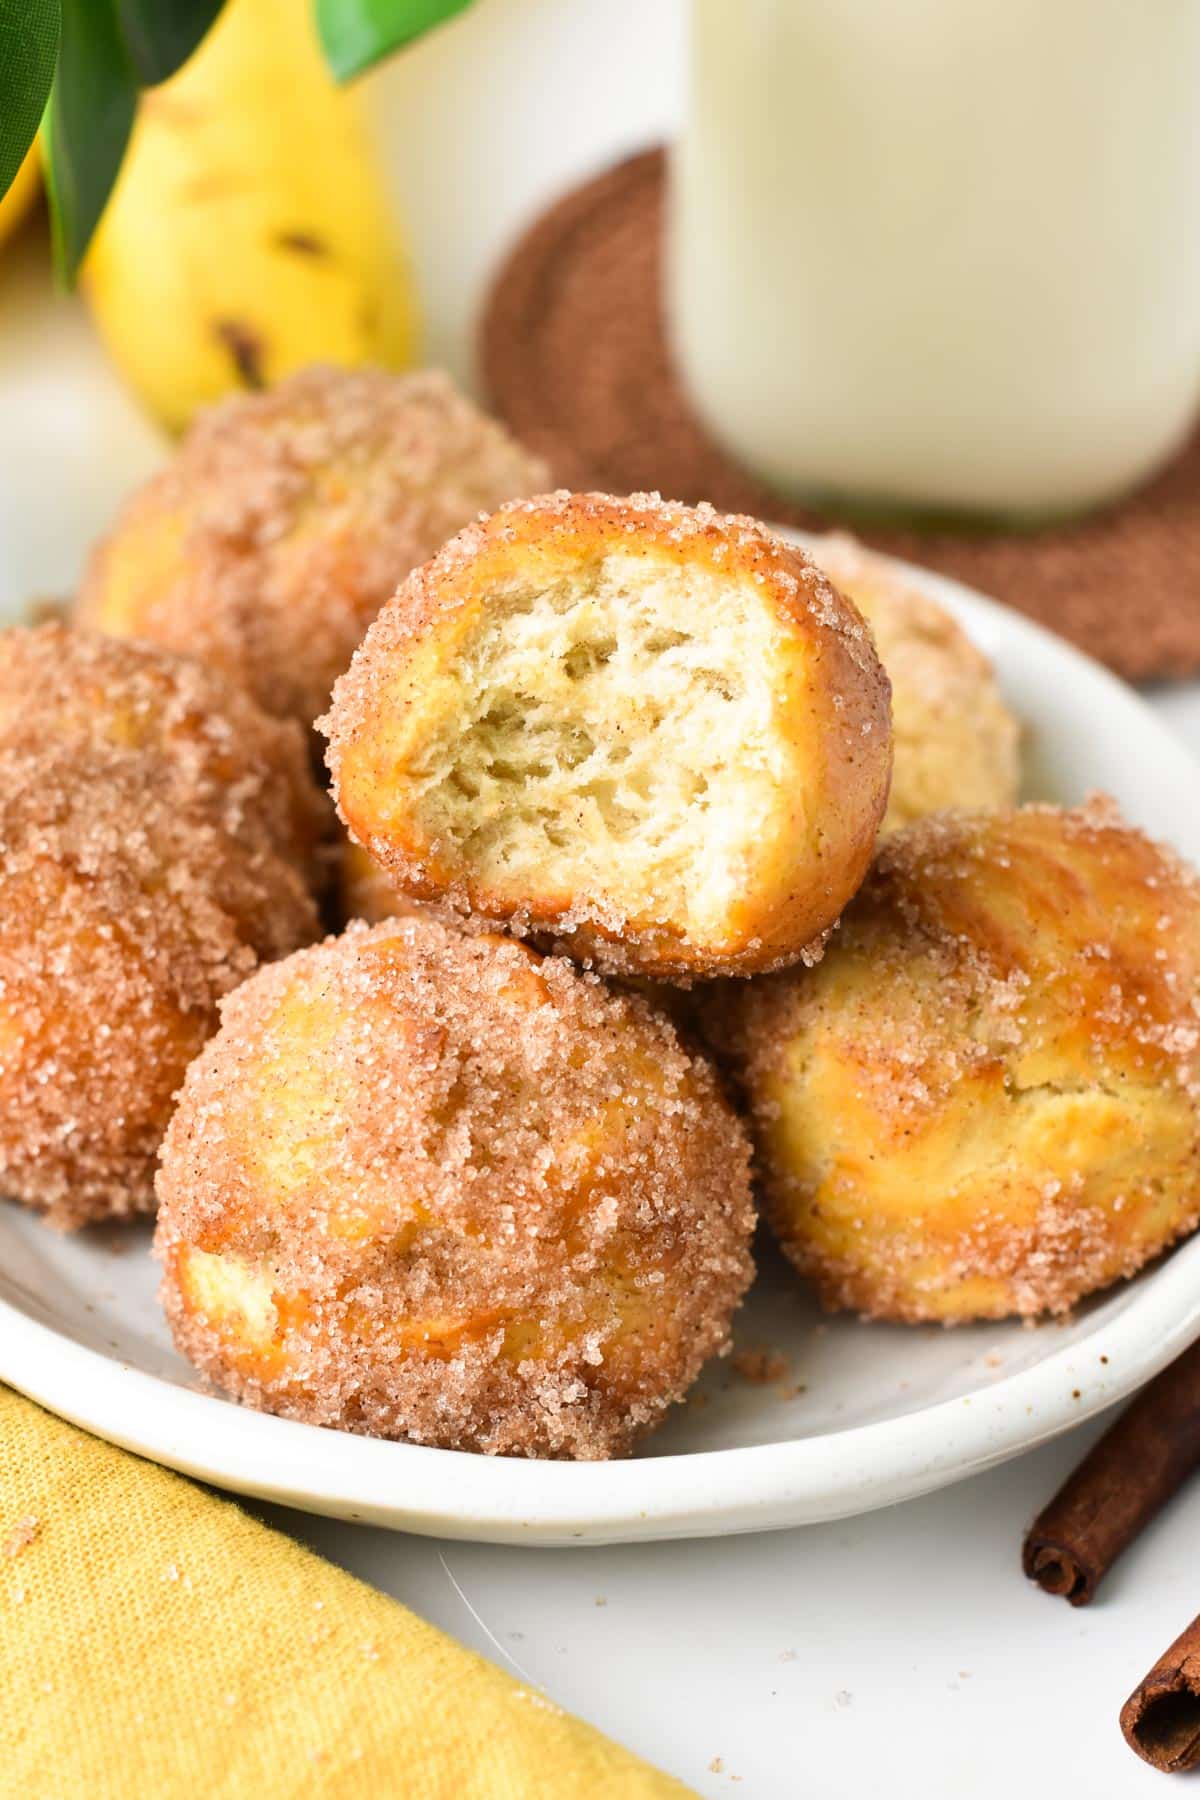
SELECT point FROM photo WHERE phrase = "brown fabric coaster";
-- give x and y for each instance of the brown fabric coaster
(575, 356)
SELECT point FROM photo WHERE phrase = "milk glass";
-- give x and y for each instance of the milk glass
(941, 255)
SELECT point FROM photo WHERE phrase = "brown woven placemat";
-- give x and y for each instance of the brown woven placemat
(575, 356)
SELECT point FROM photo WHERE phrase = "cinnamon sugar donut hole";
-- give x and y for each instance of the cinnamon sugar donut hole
(251, 773)
(269, 542)
(648, 732)
(126, 912)
(432, 1186)
(956, 744)
(986, 1100)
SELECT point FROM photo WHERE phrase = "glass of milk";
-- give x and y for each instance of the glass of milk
(941, 256)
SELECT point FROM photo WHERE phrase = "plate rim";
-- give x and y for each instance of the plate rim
(416, 1488)
(753, 1487)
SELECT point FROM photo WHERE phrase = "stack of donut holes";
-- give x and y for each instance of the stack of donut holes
(683, 880)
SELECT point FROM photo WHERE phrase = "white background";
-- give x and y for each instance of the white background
(901, 1653)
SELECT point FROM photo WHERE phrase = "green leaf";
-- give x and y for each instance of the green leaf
(356, 33)
(28, 48)
(160, 35)
(88, 122)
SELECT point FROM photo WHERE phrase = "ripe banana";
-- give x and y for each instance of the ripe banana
(248, 232)
(21, 195)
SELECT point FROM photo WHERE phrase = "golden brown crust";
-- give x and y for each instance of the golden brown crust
(285, 520)
(126, 911)
(825, 698)
(987, 1098)
(249, 772)
(430, 1185)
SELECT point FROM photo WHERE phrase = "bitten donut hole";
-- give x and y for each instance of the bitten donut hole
(651, 735)
(614, 730)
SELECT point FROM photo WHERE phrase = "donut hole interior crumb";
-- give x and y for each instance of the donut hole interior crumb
(614, 728)
(231, 1289)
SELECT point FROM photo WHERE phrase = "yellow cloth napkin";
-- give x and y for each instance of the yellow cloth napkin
(157, 1641)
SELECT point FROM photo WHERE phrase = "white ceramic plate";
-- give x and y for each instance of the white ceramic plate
(866, 1414)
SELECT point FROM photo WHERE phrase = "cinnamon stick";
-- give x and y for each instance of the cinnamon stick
(1161, 1718)
(1119, 1486)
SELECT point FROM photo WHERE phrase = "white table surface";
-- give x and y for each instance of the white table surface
(900, 1653)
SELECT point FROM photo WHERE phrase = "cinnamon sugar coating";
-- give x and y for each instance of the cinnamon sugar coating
(126, 911)
(249, 772)
(286, 519)
(432, 1186)
(986, 1100)
(652, 734)
(364, 891)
